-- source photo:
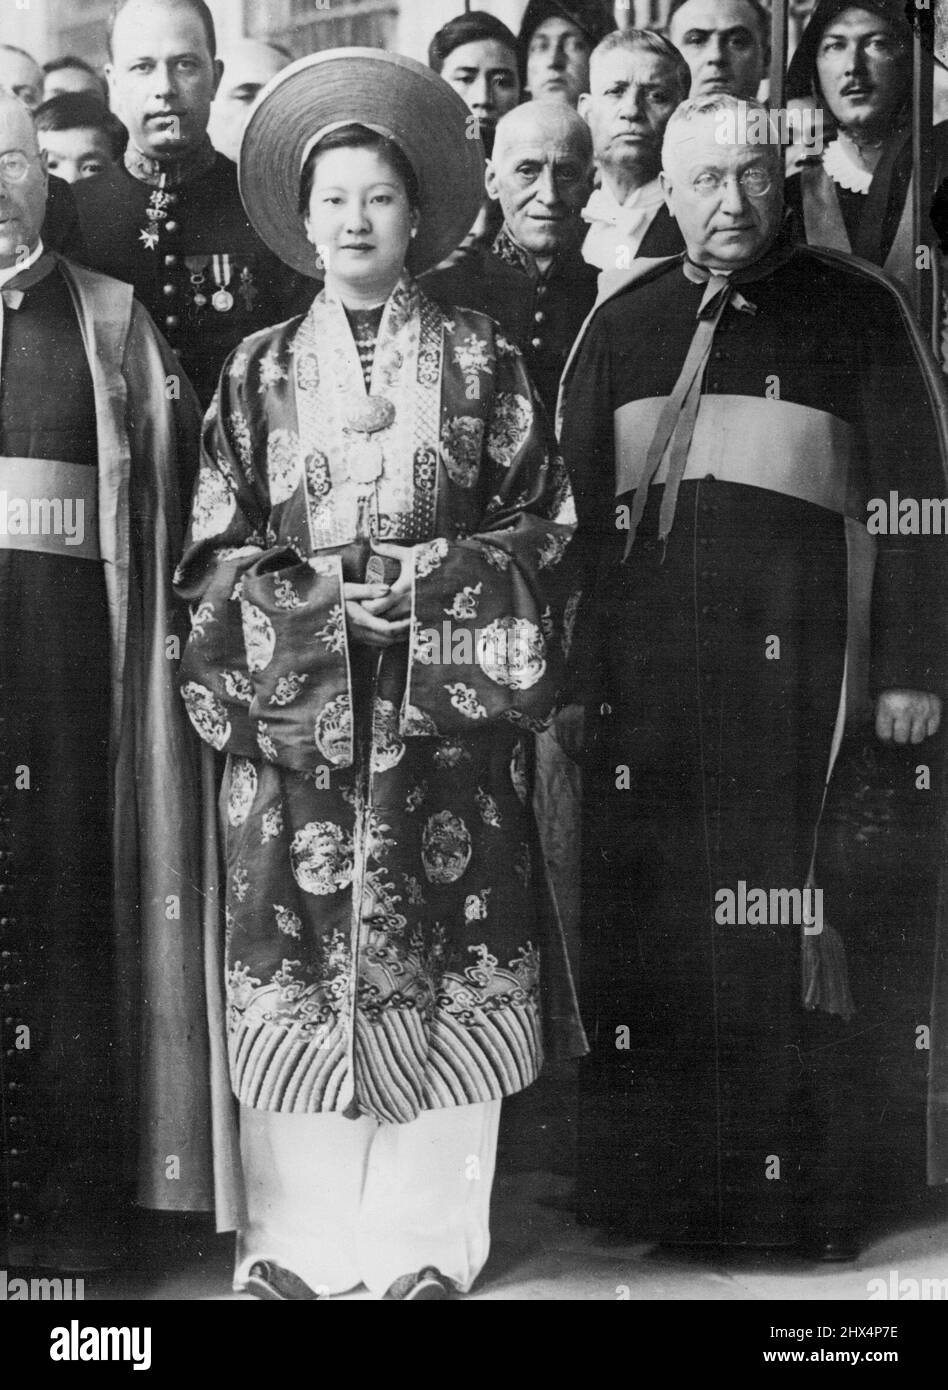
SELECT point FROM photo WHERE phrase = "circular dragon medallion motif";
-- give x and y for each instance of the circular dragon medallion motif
(511, 652)
(321, 857)
(387, 748)
(259, 637)
(333, 732)
(445, 847)
(207, 713)
(243, 789)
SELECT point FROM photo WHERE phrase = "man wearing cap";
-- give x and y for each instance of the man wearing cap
(554, 44)
(170, 220)
(637, 78)
(727, 420)
(99, 841)
(533, 280)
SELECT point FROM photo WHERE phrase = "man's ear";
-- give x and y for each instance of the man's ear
(667, 186)
(490, 181)
(582, 106)
(218, 74)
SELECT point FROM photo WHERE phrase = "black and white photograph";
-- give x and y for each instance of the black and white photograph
(474, 663)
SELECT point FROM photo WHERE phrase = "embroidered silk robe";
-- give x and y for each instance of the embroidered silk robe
(382, 937)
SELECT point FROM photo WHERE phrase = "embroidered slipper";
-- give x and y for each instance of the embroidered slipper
(272, 1282)
(428, 1284)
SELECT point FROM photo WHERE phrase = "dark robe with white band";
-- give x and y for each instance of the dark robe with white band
(708, 744)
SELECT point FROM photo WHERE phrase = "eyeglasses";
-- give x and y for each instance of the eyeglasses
(754, 182)
(14, 166)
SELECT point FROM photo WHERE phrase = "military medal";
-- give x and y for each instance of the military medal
(366, 419)
(198, 279)
(222, 299)
(248, 290)
(156, 212)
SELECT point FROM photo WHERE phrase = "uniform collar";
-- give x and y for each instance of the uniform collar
(507, 249)
(169, 172)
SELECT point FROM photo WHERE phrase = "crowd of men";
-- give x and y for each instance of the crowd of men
(140, 277)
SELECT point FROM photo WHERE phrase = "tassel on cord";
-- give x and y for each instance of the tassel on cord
(825, 984)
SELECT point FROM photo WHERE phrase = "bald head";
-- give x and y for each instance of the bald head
(541, 173)
(17, 131)
(543, 121)
(22, 184)
(20, 75)
(723, 180)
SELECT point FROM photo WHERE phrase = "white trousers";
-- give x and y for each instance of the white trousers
(347, 1202)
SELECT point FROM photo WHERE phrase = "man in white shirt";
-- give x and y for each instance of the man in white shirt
(637, 78)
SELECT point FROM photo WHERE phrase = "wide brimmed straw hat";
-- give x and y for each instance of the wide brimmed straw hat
(388, 93)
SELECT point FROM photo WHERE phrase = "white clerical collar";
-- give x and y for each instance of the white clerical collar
(31, 259)
(843, 169)
(603, 206)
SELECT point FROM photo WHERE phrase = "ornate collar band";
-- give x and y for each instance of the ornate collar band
(169, 172)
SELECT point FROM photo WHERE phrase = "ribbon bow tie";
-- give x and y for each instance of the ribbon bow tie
(676, 424)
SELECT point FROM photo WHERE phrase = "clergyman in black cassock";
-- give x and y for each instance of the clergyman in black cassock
(767, 391)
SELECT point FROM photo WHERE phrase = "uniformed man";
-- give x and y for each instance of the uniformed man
(534, 280)
(170, 221)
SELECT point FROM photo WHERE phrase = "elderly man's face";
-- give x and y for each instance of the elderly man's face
(722, 44)
(863, 71)
(633, 94)
(21, 77)
(726, 198)
(22, 183)
(558, 62)
(162, 77)
(541, 173)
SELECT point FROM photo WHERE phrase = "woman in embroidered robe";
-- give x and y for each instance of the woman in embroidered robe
(382, 934)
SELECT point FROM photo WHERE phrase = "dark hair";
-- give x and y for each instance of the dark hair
(72, 110)
(359, 137)
(475, 27)
(763, 18)
(198, 7)
(594, 18)
(69, 61)
(802, 77)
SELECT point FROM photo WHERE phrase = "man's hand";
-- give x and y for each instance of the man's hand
(907, 716)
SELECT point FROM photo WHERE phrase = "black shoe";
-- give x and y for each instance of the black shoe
(274, 1283)
(425, 1286)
